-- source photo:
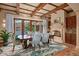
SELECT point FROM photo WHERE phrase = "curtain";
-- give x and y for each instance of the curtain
(9, 23)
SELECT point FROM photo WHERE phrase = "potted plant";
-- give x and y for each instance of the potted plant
(1, 42)
(5, 36)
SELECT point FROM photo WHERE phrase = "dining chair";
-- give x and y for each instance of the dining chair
(13, 37)
(36, 39)
(13, 41)
(45, 38)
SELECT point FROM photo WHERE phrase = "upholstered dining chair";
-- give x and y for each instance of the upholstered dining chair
(45, 38)
(13, 37)
(13, 41)
(36, 39)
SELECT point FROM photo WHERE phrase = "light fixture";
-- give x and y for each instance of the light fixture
(3, 25)
(3, 21)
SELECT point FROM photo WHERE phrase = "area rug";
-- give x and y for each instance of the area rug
(44, 51)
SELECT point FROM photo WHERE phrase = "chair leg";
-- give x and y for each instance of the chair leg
(33, 48)
(39, 46)
(13, 48)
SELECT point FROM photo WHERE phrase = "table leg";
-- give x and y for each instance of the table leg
(23, 44)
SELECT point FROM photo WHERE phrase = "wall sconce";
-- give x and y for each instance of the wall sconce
(3, 21)
(3, 25)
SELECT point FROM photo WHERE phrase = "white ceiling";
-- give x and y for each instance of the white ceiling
(49, 7)
(68, 8)
(42, 11)
(25, 11)
(26, 7)
(34, 4)
(38, 14)
(4, 7)
(12, 4)
(57, 4)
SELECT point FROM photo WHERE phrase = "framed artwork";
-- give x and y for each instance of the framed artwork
(58, 20)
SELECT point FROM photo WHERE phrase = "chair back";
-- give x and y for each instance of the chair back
(45, 37)
(36, 39)
(12, 38)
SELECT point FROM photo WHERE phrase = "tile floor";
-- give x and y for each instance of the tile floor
(44, 51)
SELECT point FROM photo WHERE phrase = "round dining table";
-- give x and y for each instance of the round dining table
(23, 39)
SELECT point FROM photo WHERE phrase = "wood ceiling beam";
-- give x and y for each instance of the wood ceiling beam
(57, 6)
(19, 8)
(19, 11)
(0, 9)
(39, 7)
(62, 9)
(52, 4)
(56, 9)
(70, 11)
(33, 6)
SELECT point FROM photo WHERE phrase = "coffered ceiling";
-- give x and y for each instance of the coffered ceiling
(35, 9)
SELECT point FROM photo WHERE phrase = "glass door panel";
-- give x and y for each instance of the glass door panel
(33, 26)
(18, 27)
(26, 27)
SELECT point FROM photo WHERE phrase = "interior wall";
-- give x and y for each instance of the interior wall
(45, 26)
(58, 26)
(75, 7)
(70, 14)
(2, 17)
(3, 14)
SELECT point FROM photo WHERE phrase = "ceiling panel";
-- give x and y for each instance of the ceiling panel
(34, 4)
(12, 4)
(27, 7)
(38, 14)
(25, 11)
(10, 12)
(68, 8)
(57, 4)
(7, 7)
(43, 11)
(49, 7)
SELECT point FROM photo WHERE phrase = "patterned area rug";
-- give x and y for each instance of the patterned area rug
(44, 51)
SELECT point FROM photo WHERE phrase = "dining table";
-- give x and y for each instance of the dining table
(24, 39)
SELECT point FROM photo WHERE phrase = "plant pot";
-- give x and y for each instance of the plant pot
(1, 43)
(1, 51)
(5, 44)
